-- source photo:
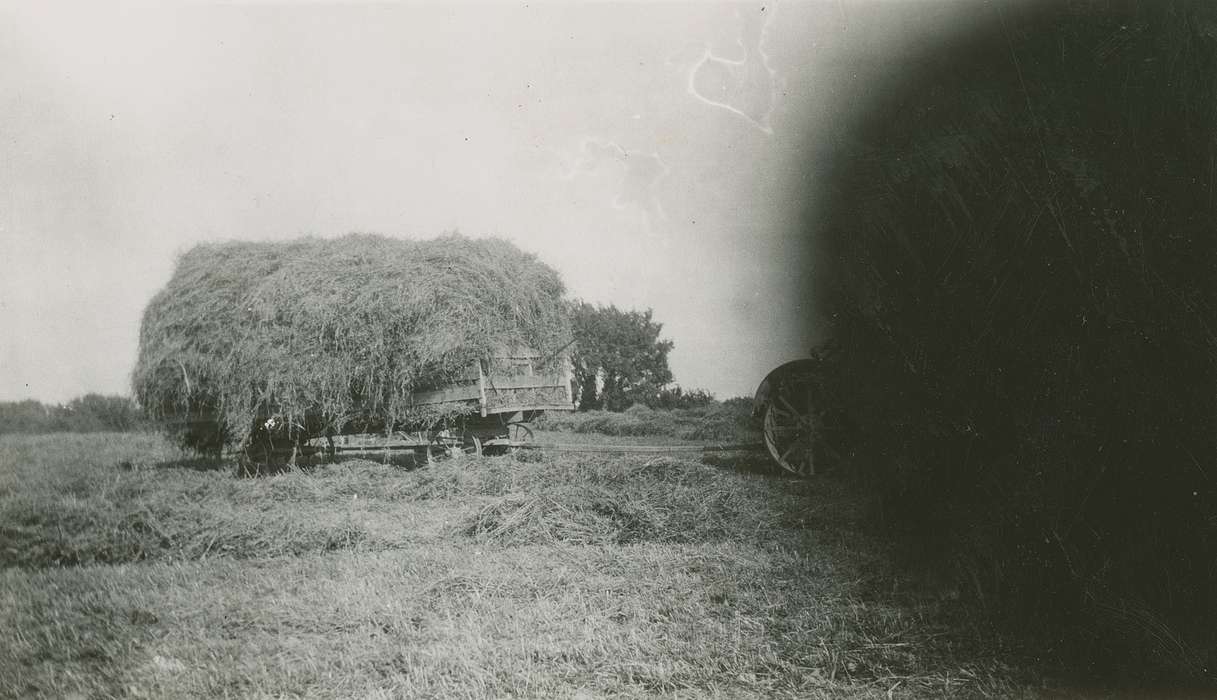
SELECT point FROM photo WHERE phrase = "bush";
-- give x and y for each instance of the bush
(90, 413)
(27, 416)
(676, 397)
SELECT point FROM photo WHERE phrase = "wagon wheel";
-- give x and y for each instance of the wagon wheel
(252, 460)
(514, 433)
(789, 425)
(445, 443)
(262, 454)
(472, 445)
(518, 433)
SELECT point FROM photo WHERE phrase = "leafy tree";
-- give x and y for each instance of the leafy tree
(619, 358)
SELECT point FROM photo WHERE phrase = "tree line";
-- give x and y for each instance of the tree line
(91, 413)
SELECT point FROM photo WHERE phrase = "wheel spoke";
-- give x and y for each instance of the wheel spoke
(520, 433)
(798, 456)
(777, 411)
(806, 466)
(791, 408)
(789, 428)
(791, 420)
(790, 431)
(792, 447)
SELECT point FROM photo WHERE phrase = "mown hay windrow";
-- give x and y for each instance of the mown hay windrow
(324, 332)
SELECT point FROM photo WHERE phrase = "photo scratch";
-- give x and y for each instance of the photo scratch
(748, 87)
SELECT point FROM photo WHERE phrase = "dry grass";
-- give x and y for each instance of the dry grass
(721, 422)
(114, 506)
(562, 576)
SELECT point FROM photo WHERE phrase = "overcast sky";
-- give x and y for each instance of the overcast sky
(652, 153)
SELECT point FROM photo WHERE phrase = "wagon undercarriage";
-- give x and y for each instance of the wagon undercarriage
(488, 412)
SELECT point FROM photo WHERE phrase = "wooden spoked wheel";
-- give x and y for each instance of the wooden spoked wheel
(447, 443)
(471, 445)
(518, 433)
(789, 425)
(513, 435)
(266, 451)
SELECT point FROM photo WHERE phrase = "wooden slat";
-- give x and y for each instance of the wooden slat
(540, 381)
(481, 390)
(374, 449)
(647, 449)
(566, 383)
(453, 395)
(513, 408)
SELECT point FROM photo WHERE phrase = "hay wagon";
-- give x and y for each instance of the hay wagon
(486, 411)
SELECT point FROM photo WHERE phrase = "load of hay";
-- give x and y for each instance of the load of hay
(1018, 261)
(320, 334)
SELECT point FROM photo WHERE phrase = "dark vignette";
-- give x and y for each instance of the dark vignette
(1015, 257)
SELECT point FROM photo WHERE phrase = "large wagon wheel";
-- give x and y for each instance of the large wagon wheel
(448, 443)
(265, 452)
(471, 445)
(513, 435)
(519, 434)
(789, 423)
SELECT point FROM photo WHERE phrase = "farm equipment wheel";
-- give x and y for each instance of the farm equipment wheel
(448, 444)
(263, 455)
(789, 424)
(516, 434)
(472, 446)
(519, 433)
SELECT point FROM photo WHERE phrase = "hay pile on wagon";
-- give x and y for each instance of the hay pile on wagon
(322, 334)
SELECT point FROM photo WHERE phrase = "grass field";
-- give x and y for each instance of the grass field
(728, 421)
(131, 570)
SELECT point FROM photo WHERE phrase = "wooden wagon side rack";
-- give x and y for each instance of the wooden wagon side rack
(501, 397)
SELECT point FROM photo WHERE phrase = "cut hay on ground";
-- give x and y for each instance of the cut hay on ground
(325, 332)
